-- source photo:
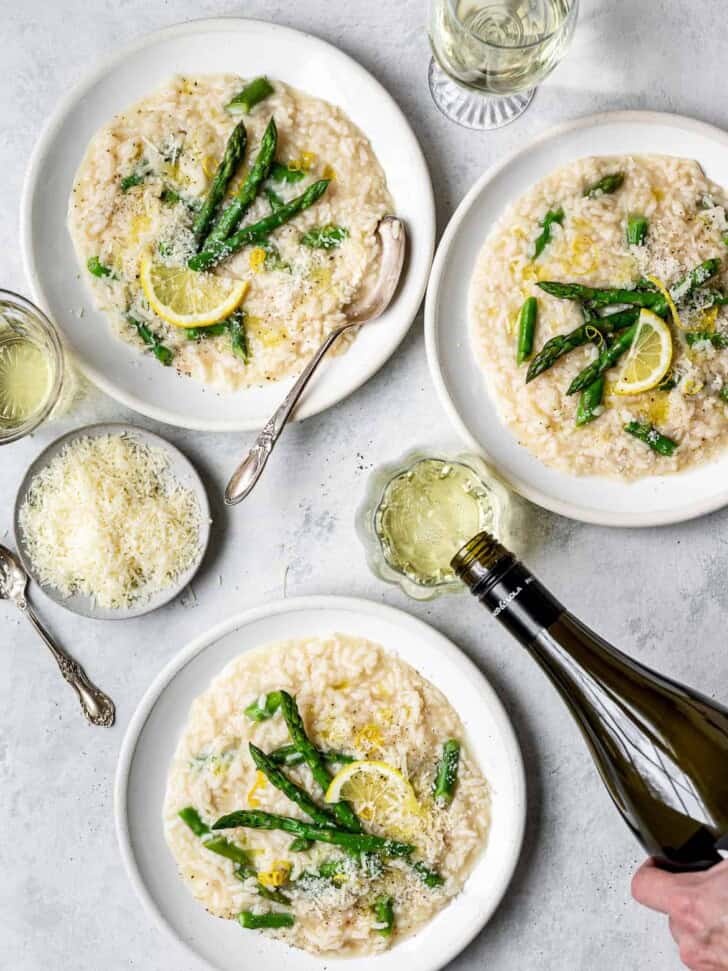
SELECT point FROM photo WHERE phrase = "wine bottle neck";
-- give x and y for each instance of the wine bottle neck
(517, 599)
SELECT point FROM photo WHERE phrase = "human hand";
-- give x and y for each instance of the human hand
(697, 907)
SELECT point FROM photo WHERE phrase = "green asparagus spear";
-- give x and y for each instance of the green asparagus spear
(232, 156)
(354, 842)
(344, 814)
(430, 878)
(526, 329)
(99, 269)
(383, 910)
(289, 755)
(163, 354)
(258, 232)
(254, 922)
(214, 330)
(192, 818)
(300, 845)
(607, 359)
(669, 382)
(447, 773)
(719, 341)
(239, 335)
(274, 199)
(217, 844)
(284, 173)
(590, 401)
(264, 707)
(694, 279)
(277, 896)
(325, 237)
(636, 230)
(564, 343)
(252, 94)
(230, 217)
(605, 297)
(542, 240)
(230, 851)
(605, 186)
(301, 798)
(650, 436)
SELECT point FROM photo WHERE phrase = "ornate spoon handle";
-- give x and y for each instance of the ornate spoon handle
(97, 707)
(246, 475)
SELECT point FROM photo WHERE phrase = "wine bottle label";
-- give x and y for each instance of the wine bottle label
(521, 603)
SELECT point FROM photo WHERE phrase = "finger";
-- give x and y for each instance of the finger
(677, 933)
(653, 887)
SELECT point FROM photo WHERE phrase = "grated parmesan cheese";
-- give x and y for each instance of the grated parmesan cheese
(106, 518)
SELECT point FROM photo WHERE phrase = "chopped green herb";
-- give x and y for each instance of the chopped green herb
(430, 878)
(284, 173)
(723, 394)
(718, 340)
(169, 197)
(129, 181)
(96, 267)
(325, 237)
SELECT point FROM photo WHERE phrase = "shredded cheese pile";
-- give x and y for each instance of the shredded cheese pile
(106, 518)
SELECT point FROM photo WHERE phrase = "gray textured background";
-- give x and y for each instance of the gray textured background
(64, 899)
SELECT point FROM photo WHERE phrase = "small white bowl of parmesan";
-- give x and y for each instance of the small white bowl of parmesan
(112, 521)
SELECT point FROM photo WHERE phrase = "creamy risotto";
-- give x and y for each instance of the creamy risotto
(356, 702)
(143, 182)
(676, 218)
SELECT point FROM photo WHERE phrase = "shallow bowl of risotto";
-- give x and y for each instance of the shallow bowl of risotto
(222, 821)
(576, 321)
(161, 158)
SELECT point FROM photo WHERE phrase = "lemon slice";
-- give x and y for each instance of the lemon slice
(186, 298)
(378, 794)
(649, 357)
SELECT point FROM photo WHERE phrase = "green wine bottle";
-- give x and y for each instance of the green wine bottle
(660, 747)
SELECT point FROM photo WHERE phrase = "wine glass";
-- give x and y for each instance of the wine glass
(489, 55)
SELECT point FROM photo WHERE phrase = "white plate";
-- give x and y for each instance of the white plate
(151, 740)
(182, 470)
(458, 378)
(249, 47)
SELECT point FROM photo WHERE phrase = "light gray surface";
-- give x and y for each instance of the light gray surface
(64, 900)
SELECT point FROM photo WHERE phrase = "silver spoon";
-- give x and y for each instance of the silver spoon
(368, 307)
(97, 707)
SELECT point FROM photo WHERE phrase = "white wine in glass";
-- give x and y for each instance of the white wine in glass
(489, 55)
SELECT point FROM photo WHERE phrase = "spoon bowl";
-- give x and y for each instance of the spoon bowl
(368, 306)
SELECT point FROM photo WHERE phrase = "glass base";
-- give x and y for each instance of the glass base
(480, 112)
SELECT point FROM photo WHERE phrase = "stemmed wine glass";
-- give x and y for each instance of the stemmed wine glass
(489, 55)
